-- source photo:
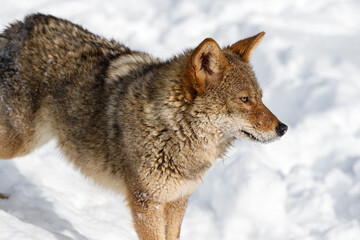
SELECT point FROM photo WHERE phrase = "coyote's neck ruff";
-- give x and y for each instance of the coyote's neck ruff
(133, 123)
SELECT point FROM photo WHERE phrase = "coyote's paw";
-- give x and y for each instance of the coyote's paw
(2, 196)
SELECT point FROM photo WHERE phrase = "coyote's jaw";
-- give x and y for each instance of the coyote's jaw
(259, 136)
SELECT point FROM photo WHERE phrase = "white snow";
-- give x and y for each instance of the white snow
(304, 187)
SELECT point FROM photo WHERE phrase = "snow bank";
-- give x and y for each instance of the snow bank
(304, 187)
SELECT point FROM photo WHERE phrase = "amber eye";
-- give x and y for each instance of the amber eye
(244, 99)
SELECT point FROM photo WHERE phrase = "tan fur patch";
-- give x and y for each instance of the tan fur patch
(127, 63)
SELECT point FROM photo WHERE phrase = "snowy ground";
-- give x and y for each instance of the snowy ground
(304, 187)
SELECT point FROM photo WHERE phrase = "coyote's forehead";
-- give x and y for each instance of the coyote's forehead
(241, 77)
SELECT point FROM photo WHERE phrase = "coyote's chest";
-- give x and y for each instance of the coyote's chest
(176, 189)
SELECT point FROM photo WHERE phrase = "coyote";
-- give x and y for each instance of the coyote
(143, 127)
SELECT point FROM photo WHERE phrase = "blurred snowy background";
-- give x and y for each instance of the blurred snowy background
(305, 186)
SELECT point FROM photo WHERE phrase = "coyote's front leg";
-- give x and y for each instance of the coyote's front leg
(174, 214)
(148, 218)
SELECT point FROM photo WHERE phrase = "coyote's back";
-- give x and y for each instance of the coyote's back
(51, 72)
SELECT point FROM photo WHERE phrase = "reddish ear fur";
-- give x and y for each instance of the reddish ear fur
(207, 65)
(246, 46)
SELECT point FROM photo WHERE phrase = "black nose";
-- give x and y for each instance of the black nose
(281, 129)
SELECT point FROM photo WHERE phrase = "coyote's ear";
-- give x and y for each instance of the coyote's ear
(207, 65)
(246, 46)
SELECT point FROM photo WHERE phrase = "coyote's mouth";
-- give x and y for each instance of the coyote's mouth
(249, 135)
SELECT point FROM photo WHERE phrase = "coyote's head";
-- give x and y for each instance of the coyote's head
(225, 90)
